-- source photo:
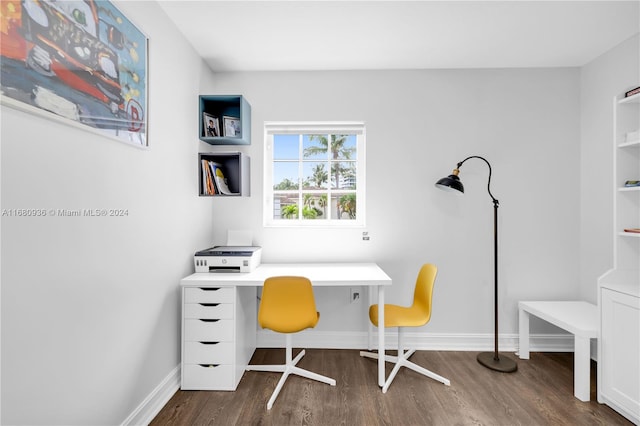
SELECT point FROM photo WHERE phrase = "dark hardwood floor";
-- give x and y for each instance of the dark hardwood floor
(539, 393)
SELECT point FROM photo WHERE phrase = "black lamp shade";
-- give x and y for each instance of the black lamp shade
(450, 183)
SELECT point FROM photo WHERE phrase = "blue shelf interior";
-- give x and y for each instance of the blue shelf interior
(220, 106)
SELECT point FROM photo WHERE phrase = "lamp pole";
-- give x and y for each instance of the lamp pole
(490, 360)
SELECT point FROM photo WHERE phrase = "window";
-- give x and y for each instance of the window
(314, 174)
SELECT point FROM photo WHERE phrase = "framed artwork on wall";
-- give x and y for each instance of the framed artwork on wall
(79, 62)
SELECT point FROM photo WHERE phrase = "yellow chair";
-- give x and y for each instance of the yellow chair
(416, 315)
(288, 306)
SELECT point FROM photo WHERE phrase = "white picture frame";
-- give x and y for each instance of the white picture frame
(231, 126)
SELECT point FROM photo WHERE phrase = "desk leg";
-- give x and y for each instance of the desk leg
(370, 327)
(582, 368)
(381, 330)
(523, 350)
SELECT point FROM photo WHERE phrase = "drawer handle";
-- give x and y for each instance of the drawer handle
(208, 343)
(209, 288)
(209, 305)
(208, 365)
(209, 320)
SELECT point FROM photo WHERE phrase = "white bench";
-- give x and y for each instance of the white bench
(578, 318)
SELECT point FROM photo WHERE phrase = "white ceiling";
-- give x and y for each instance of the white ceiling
(347, 35)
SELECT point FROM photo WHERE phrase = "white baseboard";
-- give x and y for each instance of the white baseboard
(153, 403)
(421, 341)
(157, 399)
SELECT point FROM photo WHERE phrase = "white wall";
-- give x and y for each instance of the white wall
(90, 306)
(605, 77)
(419, 125)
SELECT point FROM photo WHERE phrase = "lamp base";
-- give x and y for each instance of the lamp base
(503, 364)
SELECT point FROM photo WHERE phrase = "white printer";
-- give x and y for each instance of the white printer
(228, 259)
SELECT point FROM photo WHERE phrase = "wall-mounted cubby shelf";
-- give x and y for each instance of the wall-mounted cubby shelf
(223, 174)
(224, 120)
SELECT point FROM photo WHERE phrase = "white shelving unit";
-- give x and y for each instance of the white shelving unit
(619, 288)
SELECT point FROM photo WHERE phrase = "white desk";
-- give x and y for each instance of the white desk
(320, 274)
(578, 318)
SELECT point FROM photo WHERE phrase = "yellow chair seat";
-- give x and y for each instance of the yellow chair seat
(399, 316)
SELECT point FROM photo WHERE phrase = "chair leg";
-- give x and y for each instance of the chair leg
(392, 376)
(292, 369)
(279, 387)
(268, 368)
(402, 360)
(289, 368)
(399, 361)
(425, 372)
(313, 376)
(374, 355)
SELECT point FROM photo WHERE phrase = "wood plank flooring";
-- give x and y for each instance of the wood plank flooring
(539, 393)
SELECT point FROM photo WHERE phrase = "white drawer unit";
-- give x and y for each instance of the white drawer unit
(209, 330)
(207, 353)
(207, 377)
(218, 335)
(208, 310)
(209, 295)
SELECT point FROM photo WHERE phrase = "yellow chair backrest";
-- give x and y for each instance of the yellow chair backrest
(287, 305)
(423, 293)
(419, 313)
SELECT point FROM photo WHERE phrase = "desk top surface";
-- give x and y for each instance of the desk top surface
(320, 274)
(578, 317)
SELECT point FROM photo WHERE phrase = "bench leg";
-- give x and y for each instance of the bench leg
(523, 344)
(582, 368)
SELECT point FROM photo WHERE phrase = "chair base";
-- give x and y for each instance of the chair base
(402, 360)
(287, 369)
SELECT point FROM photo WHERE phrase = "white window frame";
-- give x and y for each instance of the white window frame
(281, 127)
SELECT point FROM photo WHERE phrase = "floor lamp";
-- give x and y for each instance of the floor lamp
(491, 360)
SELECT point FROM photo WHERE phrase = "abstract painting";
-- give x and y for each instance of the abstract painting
(82, 62)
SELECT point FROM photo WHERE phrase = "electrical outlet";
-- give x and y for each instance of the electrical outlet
(365, 236)
(354, 295)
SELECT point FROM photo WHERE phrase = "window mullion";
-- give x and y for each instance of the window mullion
(300, 174)
(328, 162)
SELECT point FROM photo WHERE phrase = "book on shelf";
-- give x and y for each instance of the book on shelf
(632, 230)
(632, 92)
(214, 181)
(220, 180)
(632, 183)
(208, 185)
